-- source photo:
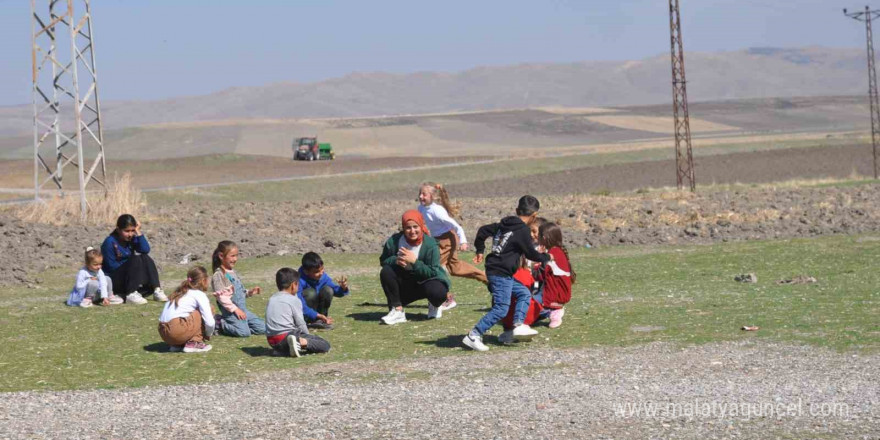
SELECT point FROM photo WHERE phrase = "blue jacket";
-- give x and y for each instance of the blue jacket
(305, 282)
(116, 254)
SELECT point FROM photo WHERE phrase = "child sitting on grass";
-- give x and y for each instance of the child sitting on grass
(286, 328)
(556, 281)
(91, 282)
(511, 240)
(318, 289)
(186, 320)
(235, 319)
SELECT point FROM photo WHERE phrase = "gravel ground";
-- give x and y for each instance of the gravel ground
(777, 391)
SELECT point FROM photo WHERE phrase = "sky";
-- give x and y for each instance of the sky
(165, 48)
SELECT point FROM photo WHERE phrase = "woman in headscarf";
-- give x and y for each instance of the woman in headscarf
(411, 269)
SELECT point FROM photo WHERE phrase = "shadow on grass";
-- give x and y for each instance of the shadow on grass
(258, 351)
(371, 304)
(374, 316)
(366, 316)
(385, 305)
(157, 347)
(450, 341)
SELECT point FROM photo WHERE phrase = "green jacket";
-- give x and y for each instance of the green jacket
(427, 267)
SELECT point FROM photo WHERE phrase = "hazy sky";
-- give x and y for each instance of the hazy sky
(162, 48)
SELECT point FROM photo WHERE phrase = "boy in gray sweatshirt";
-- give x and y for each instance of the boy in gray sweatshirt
(286, 328)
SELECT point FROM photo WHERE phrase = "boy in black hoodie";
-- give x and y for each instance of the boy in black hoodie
(511, 239)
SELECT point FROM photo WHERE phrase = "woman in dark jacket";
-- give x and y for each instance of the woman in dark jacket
(411, 269)
(127, 262)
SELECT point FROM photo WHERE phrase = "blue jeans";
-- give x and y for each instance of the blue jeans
(502, 287)
(242, 328)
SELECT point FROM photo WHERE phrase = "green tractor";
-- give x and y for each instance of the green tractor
(308, 148)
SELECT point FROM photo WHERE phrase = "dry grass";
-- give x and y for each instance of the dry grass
(122, 197)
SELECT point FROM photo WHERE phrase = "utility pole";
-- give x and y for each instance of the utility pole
(67, 122)
(866, 17)
(684, 161)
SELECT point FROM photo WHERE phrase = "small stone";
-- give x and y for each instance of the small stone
(746, 278)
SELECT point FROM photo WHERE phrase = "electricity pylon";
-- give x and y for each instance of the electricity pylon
(684, 161)
(866, 17)
(67, 121)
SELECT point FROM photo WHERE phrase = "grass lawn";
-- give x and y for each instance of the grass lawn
(624, 295)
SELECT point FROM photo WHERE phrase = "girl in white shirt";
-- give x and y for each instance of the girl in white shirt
(91, 283)
(439, 212)
(187, 321)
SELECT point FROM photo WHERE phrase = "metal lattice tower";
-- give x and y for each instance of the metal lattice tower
(866, 16)
(684, 161)
(67, 113)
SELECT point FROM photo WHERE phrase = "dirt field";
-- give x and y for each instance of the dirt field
(359, 222)
(216, 169)
(754, 167)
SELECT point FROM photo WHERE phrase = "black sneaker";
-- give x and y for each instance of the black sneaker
(320, 325)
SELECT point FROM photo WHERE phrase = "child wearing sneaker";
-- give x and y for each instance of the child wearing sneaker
(556, 280)
(511, 239)
(318, 289)
(91, 282)
(439, 213)
(286, 329)
(525, 275)
(127, 262)
(411, 270)
(236, 320)
(186, 320)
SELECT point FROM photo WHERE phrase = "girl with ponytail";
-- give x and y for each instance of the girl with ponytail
(439, 212)
(186, 320)
(557, 281)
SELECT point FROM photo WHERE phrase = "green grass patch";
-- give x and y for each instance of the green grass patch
(624, 296)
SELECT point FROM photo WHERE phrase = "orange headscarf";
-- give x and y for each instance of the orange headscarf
(416, 216)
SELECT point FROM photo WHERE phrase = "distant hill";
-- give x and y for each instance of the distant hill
(750, 73)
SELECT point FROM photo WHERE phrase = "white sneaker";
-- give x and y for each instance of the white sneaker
(85, 303)
(196, 347)
(293, 343)
(159, 295)
(449, 303)
(523, 332)
(114, 300)
(434, 312)
(394, 317)
(474, 342)
(506, 337)
(135, 298)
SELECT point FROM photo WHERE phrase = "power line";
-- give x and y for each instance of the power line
(684, 161)
(866, 17)
(65, 97)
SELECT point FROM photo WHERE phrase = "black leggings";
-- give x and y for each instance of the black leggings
(402, 288)
(138, 273)
(319, 301)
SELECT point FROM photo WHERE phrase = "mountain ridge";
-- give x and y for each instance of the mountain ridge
(757, 72)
